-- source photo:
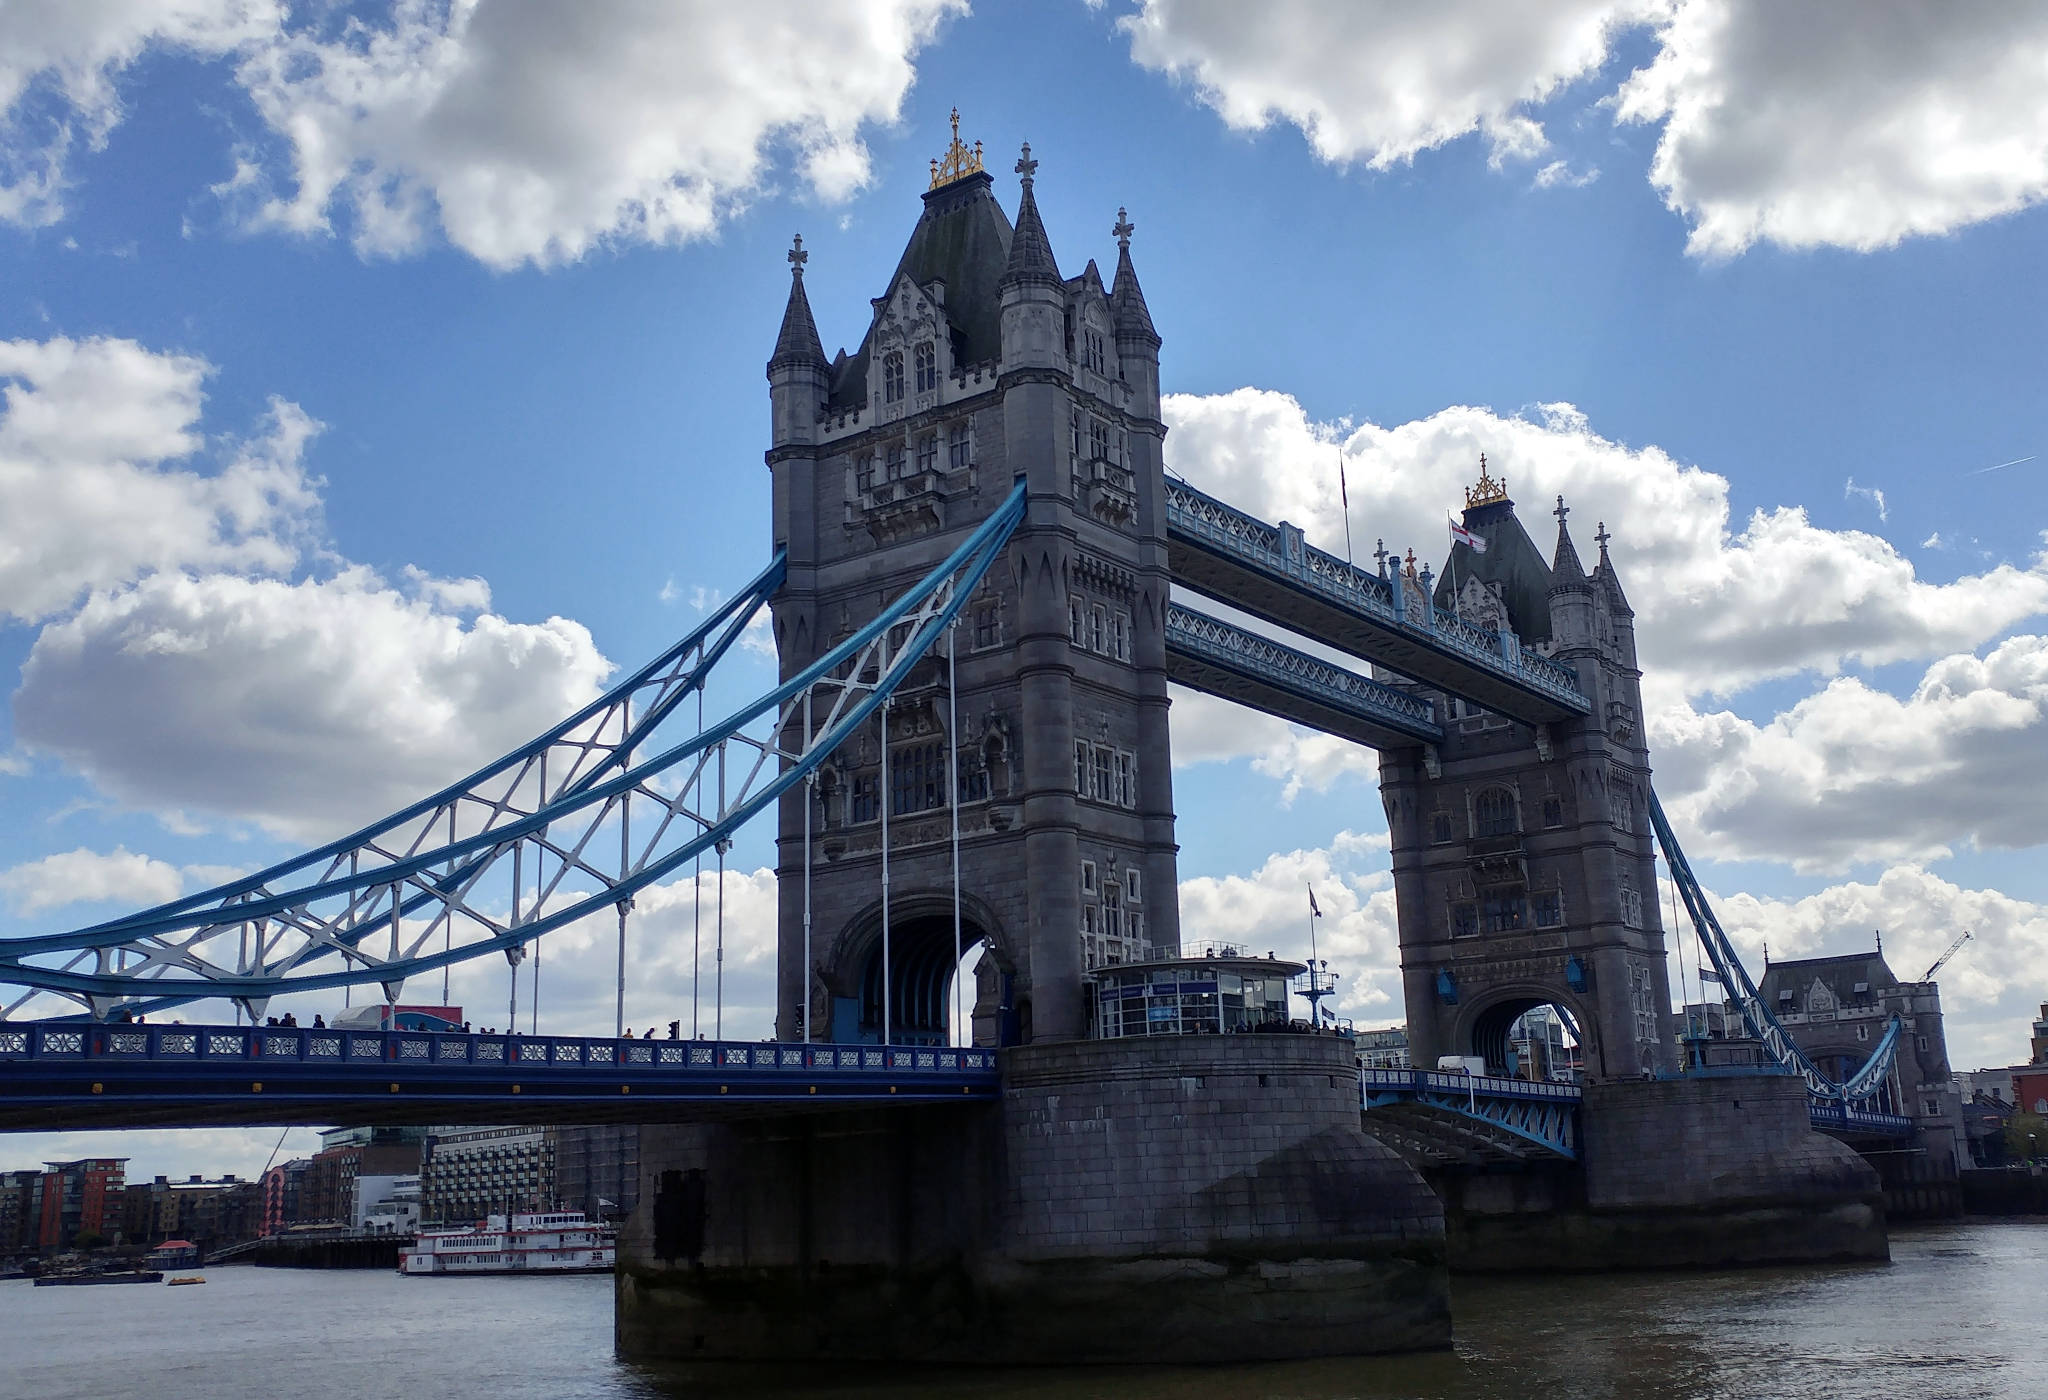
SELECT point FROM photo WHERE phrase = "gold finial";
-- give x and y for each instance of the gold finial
(959, 161)
(1488, 491)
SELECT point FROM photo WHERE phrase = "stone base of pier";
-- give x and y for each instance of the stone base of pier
(1170, 1199)
(1702, 1172)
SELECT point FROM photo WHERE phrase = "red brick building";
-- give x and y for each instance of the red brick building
(80, 1197)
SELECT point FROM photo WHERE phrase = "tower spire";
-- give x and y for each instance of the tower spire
(1126, 298)
(1031, 258)
(798, 342)
(1565, 570)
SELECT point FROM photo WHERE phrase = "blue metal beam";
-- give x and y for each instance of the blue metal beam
(1208, 654)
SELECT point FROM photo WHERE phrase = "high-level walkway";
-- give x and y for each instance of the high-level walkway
(1271, 572)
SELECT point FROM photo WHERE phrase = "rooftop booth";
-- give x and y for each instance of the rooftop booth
(1219, 993)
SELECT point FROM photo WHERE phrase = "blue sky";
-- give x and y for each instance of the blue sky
(528, 311)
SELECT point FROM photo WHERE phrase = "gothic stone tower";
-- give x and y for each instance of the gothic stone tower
(981, 365)
(1523, 867)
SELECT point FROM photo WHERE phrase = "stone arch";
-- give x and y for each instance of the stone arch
(921, 968)
(1483, 1023)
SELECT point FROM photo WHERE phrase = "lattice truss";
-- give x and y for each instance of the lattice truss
(1862, 1088)
(572, 824)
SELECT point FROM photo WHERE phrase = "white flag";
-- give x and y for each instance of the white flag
(1461, 535)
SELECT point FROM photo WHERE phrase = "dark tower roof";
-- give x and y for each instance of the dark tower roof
(1567, 575)
(963, 240)
(1126, 298)
(798, 343)
(1511, 560)
(1031, 258)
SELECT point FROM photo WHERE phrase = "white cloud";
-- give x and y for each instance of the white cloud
(306, 707)
(172, 1152)
(1989, 990)
(83, 876)
(1379, 81)
(58, 63)
(533, 133)
(1851, 774)
(1872, 494)
(1267, 911)
(88, 498)
(1560, 174)
(1844, 124)
(1720, 604)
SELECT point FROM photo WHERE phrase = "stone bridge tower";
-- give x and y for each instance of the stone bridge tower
(1524, 872)
(980, 365)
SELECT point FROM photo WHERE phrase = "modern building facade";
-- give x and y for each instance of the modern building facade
(84, 1197)
(597, 1170)
(469, 1173)
(327, 1191)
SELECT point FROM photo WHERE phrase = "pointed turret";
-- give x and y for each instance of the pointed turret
(1567, 575)
(1126, 297)
(1031, 259)
(797, 345)
(1610, 581)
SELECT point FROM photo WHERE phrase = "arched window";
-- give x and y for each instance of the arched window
(927, 368)
(892, 377)
(1495, 812)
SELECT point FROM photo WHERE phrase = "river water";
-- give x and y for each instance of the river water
(1957, 1315)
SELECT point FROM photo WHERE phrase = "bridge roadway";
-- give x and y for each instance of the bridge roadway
(75, 1075)
(1270, 572)
(1490, 1117)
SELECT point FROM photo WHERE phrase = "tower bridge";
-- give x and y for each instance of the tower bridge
(978, 582)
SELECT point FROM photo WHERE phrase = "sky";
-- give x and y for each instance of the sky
(375, 380)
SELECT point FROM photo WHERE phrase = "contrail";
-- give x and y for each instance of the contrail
(2002, 465)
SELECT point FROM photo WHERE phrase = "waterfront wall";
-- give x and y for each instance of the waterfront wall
(1179, 1198)
(1702, 1172)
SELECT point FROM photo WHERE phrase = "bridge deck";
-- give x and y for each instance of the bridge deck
(1270, 572)
(71, 1075)
(1207, 654)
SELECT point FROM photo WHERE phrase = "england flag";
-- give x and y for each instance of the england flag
(1461, 535)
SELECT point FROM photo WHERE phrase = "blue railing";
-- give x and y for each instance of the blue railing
(1228, 530)
(32, 1051)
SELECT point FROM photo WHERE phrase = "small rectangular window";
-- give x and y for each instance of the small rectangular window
(1464, 921)
(1081, 755)
(1137, 922)
(1549, 909)
(892, 460)
(928, 452)
(1553, 811)
(1440, 827)
(1104, 789)
(1098, 629)
(1087, 877)
(1126, 787)
(865, 808)
(959, 446)
(1134, 889)
(864, 472)
(1088, 918)
(1120, 636)
(1921, 1042)
(1077, 621)
(988, 626)
(1098, 440)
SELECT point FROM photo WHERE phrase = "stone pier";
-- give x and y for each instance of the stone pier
(1183, 1198)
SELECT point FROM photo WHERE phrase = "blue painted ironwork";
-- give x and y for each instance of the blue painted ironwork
(1541, 1113)
(1280, 553)
(1834, 1116)
(1859, 1089)
(1212, 642)
(99, 1072)
(428, 863)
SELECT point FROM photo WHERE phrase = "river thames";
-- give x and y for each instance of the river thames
(1956, 1315)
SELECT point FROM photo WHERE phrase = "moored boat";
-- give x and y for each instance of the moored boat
(540, 1242)
(124, 1276)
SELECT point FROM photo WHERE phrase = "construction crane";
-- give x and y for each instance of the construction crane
(1928, 976)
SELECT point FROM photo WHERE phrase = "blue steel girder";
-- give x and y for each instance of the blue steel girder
(1210, 655)
(517, 850)
(1544, 1115)
(1858, 1092)
(1270, 572)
